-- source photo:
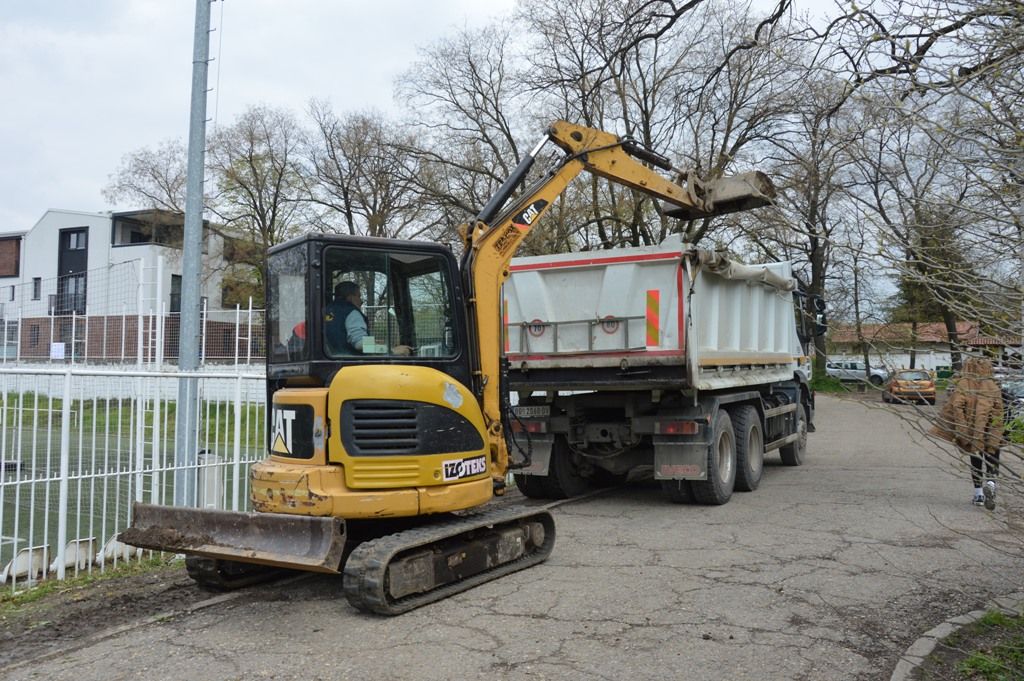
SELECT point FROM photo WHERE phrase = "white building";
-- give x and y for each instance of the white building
(76, 273)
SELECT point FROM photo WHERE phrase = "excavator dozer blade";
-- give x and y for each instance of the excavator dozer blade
(296, 542)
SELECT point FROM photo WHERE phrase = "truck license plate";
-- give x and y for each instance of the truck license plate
(532, 412)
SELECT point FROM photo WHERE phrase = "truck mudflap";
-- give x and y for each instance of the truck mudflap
(399, 572)
(297, 542)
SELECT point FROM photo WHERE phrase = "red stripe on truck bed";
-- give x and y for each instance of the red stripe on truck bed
(584, 262)
(588, 353)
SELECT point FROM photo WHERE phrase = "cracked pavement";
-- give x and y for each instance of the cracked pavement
(828, 571)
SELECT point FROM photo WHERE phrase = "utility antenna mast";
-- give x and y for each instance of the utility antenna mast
(186, 430)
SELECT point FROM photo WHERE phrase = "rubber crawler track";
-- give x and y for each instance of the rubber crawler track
(365, 571)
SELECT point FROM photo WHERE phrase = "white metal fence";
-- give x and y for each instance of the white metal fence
(79, 444)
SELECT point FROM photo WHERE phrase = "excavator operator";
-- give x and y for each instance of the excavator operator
(345, 324)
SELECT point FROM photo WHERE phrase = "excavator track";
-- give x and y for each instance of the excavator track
(399, 572)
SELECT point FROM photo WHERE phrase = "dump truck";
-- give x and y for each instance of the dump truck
(672, 359)
(389, 423)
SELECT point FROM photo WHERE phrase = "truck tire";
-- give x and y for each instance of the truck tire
(793, 453)
(532, 486)
(678, 491)
(563, 479)
(717, 489)
(746, 423)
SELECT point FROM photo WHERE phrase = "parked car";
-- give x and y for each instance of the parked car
(1013, 394)
(854, 371)
(910, 385)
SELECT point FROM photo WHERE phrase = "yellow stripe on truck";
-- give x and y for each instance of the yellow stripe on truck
(653, 318)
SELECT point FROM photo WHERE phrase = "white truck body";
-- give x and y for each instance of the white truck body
(720, 327)
(669, 358)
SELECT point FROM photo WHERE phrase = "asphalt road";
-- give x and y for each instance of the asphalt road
(828, 571)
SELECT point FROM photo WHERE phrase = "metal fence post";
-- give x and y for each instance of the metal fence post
(248, 337)
(65, 457)
(138, 312)
(235, 482)
(85, 344)
(206, 314)
(161, 315)
(238, 329)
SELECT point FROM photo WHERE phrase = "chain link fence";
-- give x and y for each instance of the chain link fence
(119, 314)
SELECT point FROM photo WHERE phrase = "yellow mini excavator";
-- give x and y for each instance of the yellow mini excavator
(389, 418)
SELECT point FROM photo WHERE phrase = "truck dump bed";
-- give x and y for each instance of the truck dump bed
(666, 316)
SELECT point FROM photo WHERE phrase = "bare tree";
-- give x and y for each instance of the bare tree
(363, 176)
(258, 182)
(702, 102)
(150, 178)
(466, 136)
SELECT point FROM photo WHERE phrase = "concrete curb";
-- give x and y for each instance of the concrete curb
(1011, 604)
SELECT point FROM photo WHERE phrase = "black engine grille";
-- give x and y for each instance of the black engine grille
(400, 427)
(382, 429)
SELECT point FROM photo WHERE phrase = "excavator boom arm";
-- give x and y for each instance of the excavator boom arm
(496, 234)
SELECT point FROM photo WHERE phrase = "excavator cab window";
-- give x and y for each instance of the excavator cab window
(391, 304)
(286, 309)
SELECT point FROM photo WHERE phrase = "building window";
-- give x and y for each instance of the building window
(37, 288)
(12, 294)
(77, 240)
(175, 293)
(10, 257)
(33, 336)
(71, 291)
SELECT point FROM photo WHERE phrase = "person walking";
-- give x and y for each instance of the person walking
(972, 419)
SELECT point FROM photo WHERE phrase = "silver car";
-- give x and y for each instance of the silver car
(852, 370)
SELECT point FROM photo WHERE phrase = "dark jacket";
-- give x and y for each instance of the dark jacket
(337, 336)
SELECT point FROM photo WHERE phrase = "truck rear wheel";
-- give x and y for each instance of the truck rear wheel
(563, 479)
(721, 480)
(532, 486)
(749, 448)
(793, 453)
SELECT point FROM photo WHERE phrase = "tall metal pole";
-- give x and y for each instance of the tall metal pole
(186, 428)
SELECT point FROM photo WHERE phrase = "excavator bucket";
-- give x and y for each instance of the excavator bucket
(297, 542)
(724, 195)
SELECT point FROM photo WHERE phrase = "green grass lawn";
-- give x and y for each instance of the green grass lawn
(994, 646)
(102, 416)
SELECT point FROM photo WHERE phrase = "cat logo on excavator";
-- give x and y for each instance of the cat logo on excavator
(281, 435)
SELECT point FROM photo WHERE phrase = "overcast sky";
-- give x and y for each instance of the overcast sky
(87, 81)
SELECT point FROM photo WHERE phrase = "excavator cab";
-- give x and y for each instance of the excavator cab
(335, 301)
(368, 379)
